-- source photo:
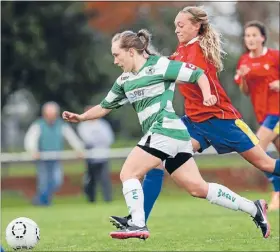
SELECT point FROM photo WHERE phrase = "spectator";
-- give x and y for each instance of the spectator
(97, 134)
(44, 135)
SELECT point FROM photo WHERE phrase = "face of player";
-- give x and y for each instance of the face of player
(122, 58)
(253, 38)
(184, 28)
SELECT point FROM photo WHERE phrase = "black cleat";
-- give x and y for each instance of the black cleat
(120, 222)
(261, 218)
(131, 232)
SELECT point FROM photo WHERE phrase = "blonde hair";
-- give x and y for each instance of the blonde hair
(209, 38)
(140, 41)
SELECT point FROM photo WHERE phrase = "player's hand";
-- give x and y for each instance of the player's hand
(243, 70)
(71, 117)
(209, 100)
(275, 85)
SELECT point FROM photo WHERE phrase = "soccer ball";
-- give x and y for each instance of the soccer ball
(22, 233)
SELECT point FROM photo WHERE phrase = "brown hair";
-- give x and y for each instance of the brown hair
(260, 26)
(209, 38)
(140, 41)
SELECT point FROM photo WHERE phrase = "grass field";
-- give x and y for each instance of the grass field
(178, 223)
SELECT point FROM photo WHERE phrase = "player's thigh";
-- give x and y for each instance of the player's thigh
(138, 163)
(189, 177)
(266, 136)
(259, 158)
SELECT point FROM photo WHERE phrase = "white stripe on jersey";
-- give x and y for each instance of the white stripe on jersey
(147, 112)
(160, 68)
(111, 96)
(172, 86)
(184, 73)
(146, 92)
(173, 124)
(169, 107)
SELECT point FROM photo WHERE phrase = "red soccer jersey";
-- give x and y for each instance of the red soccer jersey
(194, 108)
(263, 70)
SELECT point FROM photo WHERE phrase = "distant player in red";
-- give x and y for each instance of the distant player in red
(221, 125)
(258, 76)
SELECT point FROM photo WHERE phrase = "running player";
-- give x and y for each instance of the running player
(258, 76)
(220, 125)
(148, 84)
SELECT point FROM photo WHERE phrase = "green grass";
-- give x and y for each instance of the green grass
(74, 167)
(178, 223)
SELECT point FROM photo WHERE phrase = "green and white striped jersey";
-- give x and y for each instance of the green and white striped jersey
(151, 91)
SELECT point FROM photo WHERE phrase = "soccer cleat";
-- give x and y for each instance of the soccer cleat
(120, 222)
(131, 232)
(261, 218)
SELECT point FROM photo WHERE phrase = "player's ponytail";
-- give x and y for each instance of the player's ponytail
(140, 41)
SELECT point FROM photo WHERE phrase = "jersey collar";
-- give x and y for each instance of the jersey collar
(192, 41)
(263, 52)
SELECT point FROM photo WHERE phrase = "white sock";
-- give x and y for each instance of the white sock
(134, 197)
(222, 196)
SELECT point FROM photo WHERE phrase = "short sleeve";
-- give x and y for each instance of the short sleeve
(185, 72)
(115, 98)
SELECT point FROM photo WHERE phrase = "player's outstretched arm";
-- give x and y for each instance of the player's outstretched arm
(114, 99)
(93, 113)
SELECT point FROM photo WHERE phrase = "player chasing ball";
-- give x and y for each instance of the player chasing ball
(220, 125)
(148, 83)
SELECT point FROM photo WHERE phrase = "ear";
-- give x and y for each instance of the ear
(197, 26)
(131, 52)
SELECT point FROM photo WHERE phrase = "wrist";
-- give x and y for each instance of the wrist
(83, 117)
(206, 93)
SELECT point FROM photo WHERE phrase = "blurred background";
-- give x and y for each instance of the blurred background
(60, 51)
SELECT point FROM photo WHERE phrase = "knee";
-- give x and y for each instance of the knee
(197, 193)
(195, 144)
(125, 175)
(198, 190)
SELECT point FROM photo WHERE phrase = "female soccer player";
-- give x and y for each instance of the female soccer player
(258, 76)
(148, 84)
(220, 125)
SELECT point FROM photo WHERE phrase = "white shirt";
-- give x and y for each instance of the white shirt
(96, 134)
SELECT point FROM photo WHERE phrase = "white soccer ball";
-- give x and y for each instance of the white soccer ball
(22, 233)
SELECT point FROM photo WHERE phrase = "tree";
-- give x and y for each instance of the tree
(48, 48)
